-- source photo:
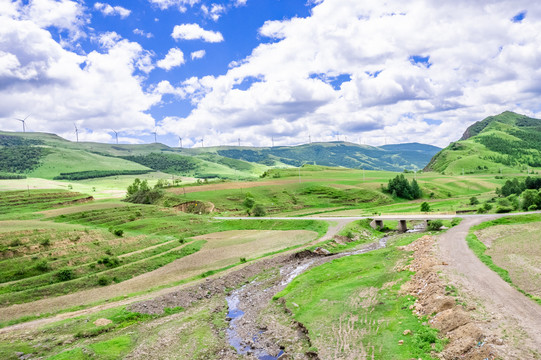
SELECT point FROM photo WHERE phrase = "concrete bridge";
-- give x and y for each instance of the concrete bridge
(378, 224)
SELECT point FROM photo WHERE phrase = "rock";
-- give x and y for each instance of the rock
(321, 251)
(498, 342)
(400, 342)
(102, 322)
(406, 332)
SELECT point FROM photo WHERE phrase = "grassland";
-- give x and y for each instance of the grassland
(352, 308)
(511, 247)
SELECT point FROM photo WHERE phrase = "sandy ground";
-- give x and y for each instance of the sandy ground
(506, 307)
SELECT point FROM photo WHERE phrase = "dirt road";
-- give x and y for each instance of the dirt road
(496, 295)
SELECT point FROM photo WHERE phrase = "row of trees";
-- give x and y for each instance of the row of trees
(520, 193)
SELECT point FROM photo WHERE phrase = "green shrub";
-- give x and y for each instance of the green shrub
(425, 207)
(42, 265)
(435, 225)
(64, 275)
(259, 210)
(474, 201)
(109, 261)
(455, 221)
(118, 232)
(532, 207)
(104, 280)
(243, 260)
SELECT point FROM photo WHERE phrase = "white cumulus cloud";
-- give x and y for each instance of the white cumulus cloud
(99, 90)
(199, 54)
(174, 58)
(181, 5)
(214, 12)
(109, 10)
(405, 71)
(196, 32)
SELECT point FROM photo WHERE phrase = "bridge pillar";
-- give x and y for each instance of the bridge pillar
(402, 226)
(377, 224)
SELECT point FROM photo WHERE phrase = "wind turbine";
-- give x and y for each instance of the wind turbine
(239, 142)
(76, 132)
(116, 135)
(180, 142)
(23, 121)
(155, 139)
(202, 143)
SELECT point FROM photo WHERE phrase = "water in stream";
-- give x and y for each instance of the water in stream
(287, 274)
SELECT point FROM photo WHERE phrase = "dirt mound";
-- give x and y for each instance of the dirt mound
(466, 339)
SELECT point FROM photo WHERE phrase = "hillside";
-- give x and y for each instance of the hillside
(48, 155)
(497, 143)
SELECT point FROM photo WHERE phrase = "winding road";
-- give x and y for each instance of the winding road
(498, 295)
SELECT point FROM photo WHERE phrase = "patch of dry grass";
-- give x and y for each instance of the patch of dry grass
(517, 249)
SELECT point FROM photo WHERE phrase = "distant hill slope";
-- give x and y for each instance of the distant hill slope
(508, 140)
(48, 155)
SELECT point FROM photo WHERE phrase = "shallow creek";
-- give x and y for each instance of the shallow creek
(244, 305)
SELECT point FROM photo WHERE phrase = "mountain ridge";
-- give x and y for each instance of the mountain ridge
(60, 155)
(505, 141)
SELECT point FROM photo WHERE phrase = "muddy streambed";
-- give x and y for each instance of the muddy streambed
(246, 333)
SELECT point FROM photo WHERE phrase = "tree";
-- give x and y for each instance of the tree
(531, 197)
(474, 201)
(404, 189)
(425, 207)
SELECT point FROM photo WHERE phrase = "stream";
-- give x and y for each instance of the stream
(245, 304)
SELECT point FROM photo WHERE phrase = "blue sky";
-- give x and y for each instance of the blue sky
(259, 69)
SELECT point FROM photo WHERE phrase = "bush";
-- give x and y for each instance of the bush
(64, 275)
(425, 207)
(435, 225)
(109, 261)
(118, 232)
(474, 201)
(243, 260)
(532, 207)
(104, 280)
(42, 265)
(259, 210)
(455, 221)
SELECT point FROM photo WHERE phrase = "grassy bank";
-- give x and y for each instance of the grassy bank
(352, 308)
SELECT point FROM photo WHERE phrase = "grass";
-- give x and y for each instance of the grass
(77, 160)
(15, 203)
(352, 307)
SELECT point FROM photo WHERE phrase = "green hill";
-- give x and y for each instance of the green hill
(497, 143)
(50, 156)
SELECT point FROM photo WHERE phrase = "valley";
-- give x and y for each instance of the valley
(269, 253)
